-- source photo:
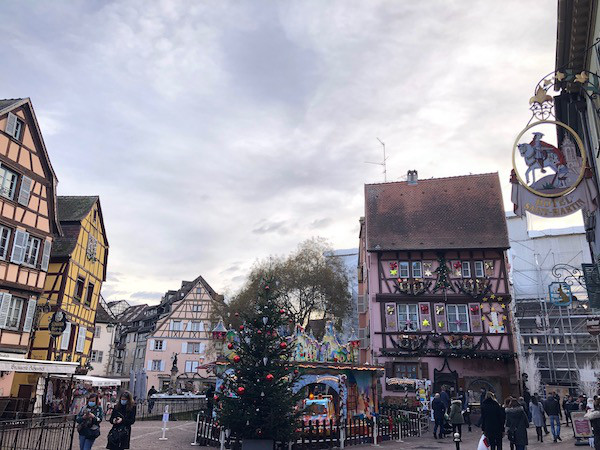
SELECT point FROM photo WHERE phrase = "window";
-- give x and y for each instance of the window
(197, 326)
(191, 366)
(89, 294)
(96, 356)
(15, 308)
(19, 126)
(158, 345)
(95, 214)
(176, 325)
(31, 251)
(416, 268)
(405, 370)
(79, 285)
(479, 269)
(97, 331)
(128, 338)
(466, 269)
(197, 307)
(8, 182)
(4, 238)
(408, 317)
(194, 348)
(156, 364)
(458, 318)
(403, 269)
(198, 290)
(90, 250)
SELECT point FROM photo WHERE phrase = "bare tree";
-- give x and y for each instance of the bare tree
(588, 378)
(530, 366)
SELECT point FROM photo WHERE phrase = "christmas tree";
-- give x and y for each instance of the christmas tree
(257, 400)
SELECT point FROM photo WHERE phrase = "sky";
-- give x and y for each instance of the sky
(221, 132)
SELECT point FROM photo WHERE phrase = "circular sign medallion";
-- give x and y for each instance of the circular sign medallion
(58, 324)
(549, 159)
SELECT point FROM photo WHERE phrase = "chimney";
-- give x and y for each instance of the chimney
(412, 177)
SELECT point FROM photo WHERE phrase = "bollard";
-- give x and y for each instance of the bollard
(399, 429)
(375, 444)
(164, 421)
(457, 440)
(222, 439)
(196, 435)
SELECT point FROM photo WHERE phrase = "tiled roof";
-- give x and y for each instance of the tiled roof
(440, 213)
(102, 316)
(8, 102)
(74, 208)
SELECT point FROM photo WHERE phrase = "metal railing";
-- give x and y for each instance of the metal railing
(324, 434)
(40, 433)
(148, 410)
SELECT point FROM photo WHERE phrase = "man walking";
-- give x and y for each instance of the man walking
(492, 421)
(439, 410)
(445, 397)
(151, 401)
(552, 408)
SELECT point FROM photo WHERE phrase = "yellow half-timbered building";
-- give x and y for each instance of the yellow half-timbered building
(75, 275)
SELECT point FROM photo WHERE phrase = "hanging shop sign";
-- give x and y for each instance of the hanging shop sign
(560, 293)
(550, 177)
(57, 324)
(592, 283)
(593, 326)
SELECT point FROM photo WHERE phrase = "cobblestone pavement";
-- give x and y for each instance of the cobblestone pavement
(180, 435)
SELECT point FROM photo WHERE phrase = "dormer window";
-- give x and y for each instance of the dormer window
(14, 126)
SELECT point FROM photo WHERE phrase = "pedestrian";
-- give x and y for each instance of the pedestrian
(438, 416)
(567, 408)
(122, 417)
(88, 422)
(524, 406)
(536, 410)
(594, 418)
(151, 401)
(544, 427)
(552, 408)
(445, 398)
(492, 421)
(517, 423)
(456, 417)
(506, 405)
(527, 398)
(466, 410)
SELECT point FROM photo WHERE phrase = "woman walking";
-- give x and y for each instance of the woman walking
(456, 417)
(517, 423)
(122, 417)
(88, 422)
(537, 416)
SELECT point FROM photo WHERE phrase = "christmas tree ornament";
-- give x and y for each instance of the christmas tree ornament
(295, 371)
(282, 311)
(230, 346)
(265, 320)
(265, 360)
(237, 314)
(216, 398)
(262, 394)
(258, 332)
(241, 390)
(236, 359)
(269, 377)
(283, 345)
(241, 327)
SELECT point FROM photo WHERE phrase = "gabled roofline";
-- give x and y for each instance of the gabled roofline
(38, 135)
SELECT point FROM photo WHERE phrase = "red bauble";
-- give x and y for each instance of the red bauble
(236, 359)
(237, 314)
(296, 372)
(230, 346)
(281, 311)
(283, 345)
(241, 390)
(241, 327)
(291, 320)
(216, 398)
(259, 332)
(269, 377)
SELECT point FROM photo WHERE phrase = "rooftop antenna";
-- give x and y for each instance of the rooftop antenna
(384, 164)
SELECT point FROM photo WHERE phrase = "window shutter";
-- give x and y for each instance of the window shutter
(25, 191)
(202, 348)
(151, 344)
(149, 366)
(184, 347)
(425, 371)
(30, 313)
(440, 317)
(162, 366)
(170, 325)
(389, 369)
(46, 255)
(80, 339)
(362, 304)
(11, 124)
(189, 326)
(425, 315)
(201, 326)
(391, 317)
(475, 316)
(18, 251)
(4, 305)
(66, 337)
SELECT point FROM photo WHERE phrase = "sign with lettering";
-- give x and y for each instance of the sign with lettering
(31, 366)
(549, 175)
(581, 426)
(57, 324)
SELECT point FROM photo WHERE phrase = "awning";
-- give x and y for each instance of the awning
(37, 366)
(97, 381)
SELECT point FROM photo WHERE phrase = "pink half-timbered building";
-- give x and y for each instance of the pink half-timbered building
(433, 287)
(183, 329)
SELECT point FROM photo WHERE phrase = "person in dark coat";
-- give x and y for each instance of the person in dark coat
(445, 397)
(151, 401)
(456, 416)
(517, 423)
(594, 416)
(122, 417)
(439, 410)
(88, 422)
(527, 398)
(492, 421)
(552, 408)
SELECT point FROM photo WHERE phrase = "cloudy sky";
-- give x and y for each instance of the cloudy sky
(219, 132)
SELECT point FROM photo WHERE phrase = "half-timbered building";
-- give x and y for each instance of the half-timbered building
(28, 224)
(433, 286)
(77, 271)
(184, 329)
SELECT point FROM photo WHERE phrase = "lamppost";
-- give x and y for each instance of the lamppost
(218, 334)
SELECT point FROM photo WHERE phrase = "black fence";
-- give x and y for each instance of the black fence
(325, 434)
(40, 433)
(153, 410)
(15, 408)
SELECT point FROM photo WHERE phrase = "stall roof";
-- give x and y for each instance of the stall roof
(37, 366)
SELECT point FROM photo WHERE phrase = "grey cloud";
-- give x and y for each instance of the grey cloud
(271, 227)
(146, 295)
(321, 223)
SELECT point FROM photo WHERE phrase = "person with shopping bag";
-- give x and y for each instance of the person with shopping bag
(517, 423)
(492, 421)
(122, 417)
